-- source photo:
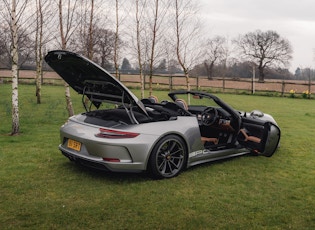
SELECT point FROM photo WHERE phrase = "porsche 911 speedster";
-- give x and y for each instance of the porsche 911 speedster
(120, 133)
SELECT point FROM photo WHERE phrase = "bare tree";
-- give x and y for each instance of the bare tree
(214, 52)
(115, 16)
(24, 40)
(91, 38)
(5, 46)
(139, 14)
(65, 34)
(105, 46)
(15, 11)
(67, 22)
(155, 21)
(90, 41)
(83, 40)
(15, 59)
(186, 30)
(43, 18)
(121, 13)
(38, 48)
(116, 46)
(266, 49)
(153, 43)
(25, 46)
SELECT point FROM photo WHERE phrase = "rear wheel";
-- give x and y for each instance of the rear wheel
(168, 157)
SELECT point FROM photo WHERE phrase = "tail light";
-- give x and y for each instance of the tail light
(115, 134)
(111, 159)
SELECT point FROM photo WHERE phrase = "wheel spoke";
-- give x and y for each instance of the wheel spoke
(170, 167)
(180, 157)
(177, 151)
(171, 146)
(162, 166)
(161, 155)
(174, 164)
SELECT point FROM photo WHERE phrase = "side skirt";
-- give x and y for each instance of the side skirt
(204, 156)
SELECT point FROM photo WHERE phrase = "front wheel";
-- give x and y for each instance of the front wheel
(168, 157)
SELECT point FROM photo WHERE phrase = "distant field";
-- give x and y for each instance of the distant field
(217, 84)
(41, 189)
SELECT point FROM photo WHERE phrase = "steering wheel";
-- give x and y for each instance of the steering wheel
(209, 116)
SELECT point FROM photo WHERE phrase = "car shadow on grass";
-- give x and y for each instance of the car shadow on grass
(128, 177)
(107, 175)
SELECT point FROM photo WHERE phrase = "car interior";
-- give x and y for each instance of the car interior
(214, 122)
(219, 128)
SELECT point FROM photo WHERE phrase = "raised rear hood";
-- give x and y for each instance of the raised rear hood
(88, 78)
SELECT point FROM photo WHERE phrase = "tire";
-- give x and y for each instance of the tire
(168, 158)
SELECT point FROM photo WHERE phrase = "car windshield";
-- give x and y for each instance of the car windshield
(198, 100)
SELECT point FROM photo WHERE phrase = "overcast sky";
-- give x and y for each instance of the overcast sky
(291, 19)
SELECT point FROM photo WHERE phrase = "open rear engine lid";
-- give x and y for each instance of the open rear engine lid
(88, 78)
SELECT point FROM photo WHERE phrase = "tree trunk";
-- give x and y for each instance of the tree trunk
(90, 35)
(178, 47)
(68, 100)
(261, 77)
(38, 83)
(139, 49)
(116, 43)
(154, 34)
(64, 45)
(15, 59)
(38, 51)
(209, 69)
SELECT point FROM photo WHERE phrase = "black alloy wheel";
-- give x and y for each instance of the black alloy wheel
(168, 157)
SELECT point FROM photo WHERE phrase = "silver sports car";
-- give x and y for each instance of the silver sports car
(120, 133)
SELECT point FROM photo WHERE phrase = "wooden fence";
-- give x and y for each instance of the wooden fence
(297, 87)
(225, 84)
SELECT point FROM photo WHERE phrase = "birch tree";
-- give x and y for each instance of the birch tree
(116, 47)
(159, 9)
(38, 49)
(139, 15)
(90, 43)
(121, 14)
(43, 22)
(153, 43)
(67, 27)
(83, 40)
(186, 33)
(15, 11)
(15, 60)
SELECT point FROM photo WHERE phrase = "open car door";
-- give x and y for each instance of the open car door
(261, 137)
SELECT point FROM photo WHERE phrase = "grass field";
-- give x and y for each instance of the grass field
(41, 189)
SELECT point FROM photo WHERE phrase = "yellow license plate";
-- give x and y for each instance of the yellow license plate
(72, 144)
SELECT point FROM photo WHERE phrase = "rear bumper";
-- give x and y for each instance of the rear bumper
(100, 164)
(85, 162)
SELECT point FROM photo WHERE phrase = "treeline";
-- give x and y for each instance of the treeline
(237, 71)
(141, 36)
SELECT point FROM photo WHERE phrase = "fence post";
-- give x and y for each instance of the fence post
(282, 88)
(144, 81)
(223, 82)
(309, 85)
(170, 82)
(253, 80)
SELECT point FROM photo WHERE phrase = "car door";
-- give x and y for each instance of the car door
(261, 137)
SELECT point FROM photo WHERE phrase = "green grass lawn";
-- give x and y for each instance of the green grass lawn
(41, 189)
